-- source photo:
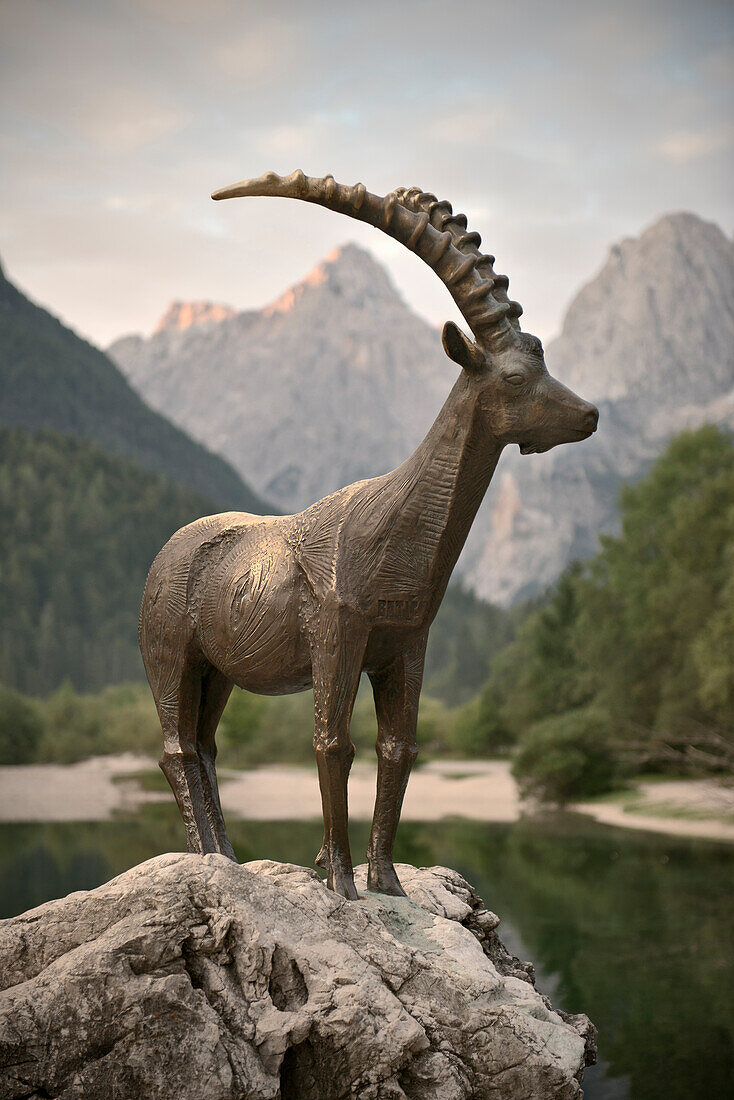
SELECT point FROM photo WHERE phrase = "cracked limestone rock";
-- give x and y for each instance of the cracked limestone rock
(193, 977)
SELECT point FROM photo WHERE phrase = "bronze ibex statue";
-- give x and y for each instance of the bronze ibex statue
(277, 604)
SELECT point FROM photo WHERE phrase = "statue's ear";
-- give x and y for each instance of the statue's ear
(461, 349)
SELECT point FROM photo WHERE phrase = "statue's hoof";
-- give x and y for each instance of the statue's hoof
(383, 880)
(343, 884)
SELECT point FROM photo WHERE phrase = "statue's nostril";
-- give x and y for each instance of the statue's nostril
(592, 418)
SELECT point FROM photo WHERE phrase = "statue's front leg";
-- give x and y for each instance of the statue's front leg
(397, 691)
(337, 664)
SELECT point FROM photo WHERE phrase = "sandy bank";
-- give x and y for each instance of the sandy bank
(656, 806)
(480, 790)
(476, 790)
(86, 791)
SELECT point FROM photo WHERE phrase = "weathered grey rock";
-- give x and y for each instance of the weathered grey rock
(190, 976)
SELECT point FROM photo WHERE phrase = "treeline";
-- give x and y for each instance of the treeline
(68, 725)
(78, 531)
(51, 379)
(629, 661)
(627, 664)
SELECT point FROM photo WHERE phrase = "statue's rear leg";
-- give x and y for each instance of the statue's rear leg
(178, 702)
(215, 691)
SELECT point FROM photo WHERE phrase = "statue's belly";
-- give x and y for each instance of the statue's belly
(249, 621)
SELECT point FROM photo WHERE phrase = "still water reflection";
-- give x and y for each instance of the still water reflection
(633, 929)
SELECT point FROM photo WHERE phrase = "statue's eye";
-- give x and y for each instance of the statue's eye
(515, 379)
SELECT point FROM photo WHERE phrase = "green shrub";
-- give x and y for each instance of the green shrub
(72, 729)
(479, 727)
(567, 757)
(76, 726)
(258, 730)
(21, 728)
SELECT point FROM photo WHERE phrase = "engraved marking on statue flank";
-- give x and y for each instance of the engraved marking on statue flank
(402, 610)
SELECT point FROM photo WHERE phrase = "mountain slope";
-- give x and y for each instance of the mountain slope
(336, 381)
(50, 378)
(651, 340)
(78, 531)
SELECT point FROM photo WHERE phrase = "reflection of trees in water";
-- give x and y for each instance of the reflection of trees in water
(634, 929)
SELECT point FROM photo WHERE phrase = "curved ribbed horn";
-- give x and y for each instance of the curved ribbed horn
(442, 218)
(425, 226)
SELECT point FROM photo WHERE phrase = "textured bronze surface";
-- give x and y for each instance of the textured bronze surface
(277, 604)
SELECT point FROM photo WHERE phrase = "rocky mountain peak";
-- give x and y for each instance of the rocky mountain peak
(334, 381)
(662, 303)
(182, 315)
(338, 380)
(348, 273)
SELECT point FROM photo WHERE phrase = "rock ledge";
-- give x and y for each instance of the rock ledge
(193, 977)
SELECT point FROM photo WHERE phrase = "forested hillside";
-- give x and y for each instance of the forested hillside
(50, 378)
(631, 656)
(78, 531)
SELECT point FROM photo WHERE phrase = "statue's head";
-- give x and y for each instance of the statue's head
(521, 402)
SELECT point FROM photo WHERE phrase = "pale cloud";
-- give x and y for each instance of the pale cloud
(687, 145)
(120, 122)
(261, 55)
(556, 128)
(468, 121)
(292, 141)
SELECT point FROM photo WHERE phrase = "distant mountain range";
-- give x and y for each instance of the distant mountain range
(651, 340)
(335, 381)
(339, 379)
(92, 484)
(52, 379)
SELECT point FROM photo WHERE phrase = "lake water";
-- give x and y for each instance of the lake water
(634, 929)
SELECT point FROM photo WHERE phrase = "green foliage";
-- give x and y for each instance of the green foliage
(118, 719)
(68, 726)
(20, 728)
(78, 531)
(464, 638)
(569, 756)
(538, 674)
(52, 379)
(650, 596)
(480, 728)
(644, 632)
(256, 730)
(713, 657)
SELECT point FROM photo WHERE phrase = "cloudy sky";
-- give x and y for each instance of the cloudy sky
(558, 128)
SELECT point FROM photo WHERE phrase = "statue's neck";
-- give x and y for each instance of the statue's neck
(445, 480)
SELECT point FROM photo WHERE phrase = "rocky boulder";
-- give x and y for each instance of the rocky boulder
(197, 978)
